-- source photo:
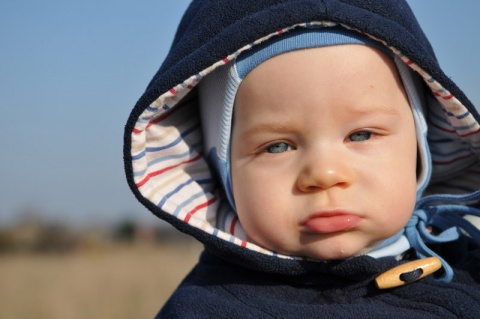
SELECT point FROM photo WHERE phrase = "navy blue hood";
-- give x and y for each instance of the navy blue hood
(163, 147)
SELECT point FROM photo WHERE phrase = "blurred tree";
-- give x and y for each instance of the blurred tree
(125, 231)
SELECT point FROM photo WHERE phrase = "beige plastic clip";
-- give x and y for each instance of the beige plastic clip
(391, 278)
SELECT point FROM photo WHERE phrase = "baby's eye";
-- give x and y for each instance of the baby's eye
(278, 148)
(360, 136)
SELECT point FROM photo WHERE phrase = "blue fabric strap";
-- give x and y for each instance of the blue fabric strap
(449, 219)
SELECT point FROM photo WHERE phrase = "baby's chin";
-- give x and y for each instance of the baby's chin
(335, 247)
(332, 253)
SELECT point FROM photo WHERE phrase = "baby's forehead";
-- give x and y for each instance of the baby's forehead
(359, 81)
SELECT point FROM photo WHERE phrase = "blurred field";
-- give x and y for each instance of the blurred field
(121, 281)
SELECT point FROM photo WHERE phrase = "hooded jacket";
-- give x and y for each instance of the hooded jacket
(169, 172)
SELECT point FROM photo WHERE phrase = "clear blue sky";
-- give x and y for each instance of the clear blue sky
(70, 72)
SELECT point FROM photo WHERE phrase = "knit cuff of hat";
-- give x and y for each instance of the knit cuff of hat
(301, 39)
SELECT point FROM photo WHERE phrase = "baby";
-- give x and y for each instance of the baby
(311, 159)
(323, 156)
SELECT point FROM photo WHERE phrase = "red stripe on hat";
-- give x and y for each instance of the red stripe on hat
(452, 161)
(193, 211)
(471, 133)
(447, 97)
(156, 173)
(454, 131)
(160, 118)
(232, 225)
(442, 128)
(165, 115)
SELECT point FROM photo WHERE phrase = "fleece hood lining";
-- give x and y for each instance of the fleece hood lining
(171, 173)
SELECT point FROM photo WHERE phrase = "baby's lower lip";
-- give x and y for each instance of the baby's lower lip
(332, 223)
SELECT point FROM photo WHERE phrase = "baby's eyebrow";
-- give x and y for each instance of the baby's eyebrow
(286, 126)
(267, 128)
(369, 110)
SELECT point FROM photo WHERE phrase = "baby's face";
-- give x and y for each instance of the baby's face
(323, 156)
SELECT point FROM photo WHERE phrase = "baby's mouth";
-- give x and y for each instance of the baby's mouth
(331, 222)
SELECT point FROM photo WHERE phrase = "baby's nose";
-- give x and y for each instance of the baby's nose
(323, 171)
